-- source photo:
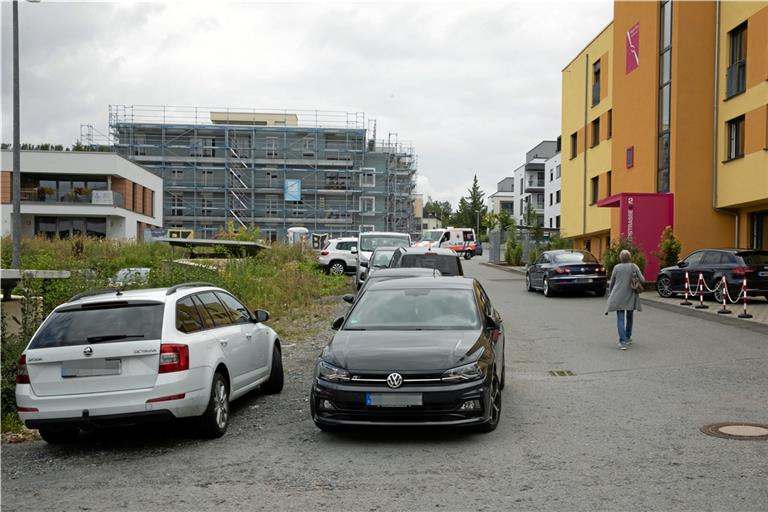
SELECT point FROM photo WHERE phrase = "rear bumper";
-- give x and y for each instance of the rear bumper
(586, 282)
(91, 407)
(107, 420)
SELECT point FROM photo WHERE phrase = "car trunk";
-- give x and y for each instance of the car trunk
(756, 264)
(576, 269)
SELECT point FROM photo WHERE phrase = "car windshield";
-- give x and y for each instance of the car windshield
(447, 264)
(369, 243)
(105, 323)
(381, 257)
(755, 258)
(574, 257)
(431, 236)
(415, 309)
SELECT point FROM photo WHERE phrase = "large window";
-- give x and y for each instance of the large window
(595, 182)
(367, 204)
(737, 61)
(65, 227)
(596, 83)
(735, 138)
(665, 99)
(574, 143)
(595, 132)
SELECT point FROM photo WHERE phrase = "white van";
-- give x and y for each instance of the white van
(370, 240)
(461, 240)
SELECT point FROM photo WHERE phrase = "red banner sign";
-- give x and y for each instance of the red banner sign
(633, 48)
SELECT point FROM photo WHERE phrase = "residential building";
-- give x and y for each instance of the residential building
(65, 193)
(504, 197)
(321, 170)
(688, 144)
(552, 196)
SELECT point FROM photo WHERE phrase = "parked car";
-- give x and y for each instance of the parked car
(566, 270)
(385, 274)
(370, 240)
(380, 258)
(713, 264)
(461, 240)
(127, 357)
(444, 260)
(417, 351)
(336, 256)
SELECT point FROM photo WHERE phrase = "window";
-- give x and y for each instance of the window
(665, 100)
(551, 175)
(595, 182)
(550, 200)
(272, 206)
(177, 173)
(367, 178)
(574, 142)
(557, 222)
(735, 138)
(187, 316)
(557, 197)
(140, 141)
(550, 222)
(522, 207)
(595, 132)
(215, 308)
(206, 206)
(367, 204)
(308, 146)
(557, 172)
(737, 61)
(177, 206)
(271, 147)
(694, 259)
(608, 183)
(609, 122)
(237, 312)
(206, 177)
(596, 83)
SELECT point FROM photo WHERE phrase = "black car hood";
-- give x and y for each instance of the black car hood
(403, 350)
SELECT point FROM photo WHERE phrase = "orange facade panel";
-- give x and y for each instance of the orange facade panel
(757, 48)
(5, 187)
(756, 130)
(147, 210)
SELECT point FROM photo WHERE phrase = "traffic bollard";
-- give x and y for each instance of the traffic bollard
(744, 292)
(686, 302)
(724, 293)
(701, 304)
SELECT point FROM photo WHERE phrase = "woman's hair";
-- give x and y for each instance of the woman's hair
(625, 256)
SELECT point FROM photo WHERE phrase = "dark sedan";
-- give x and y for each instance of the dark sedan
(566, 270)
(418, 351)
(735, 264)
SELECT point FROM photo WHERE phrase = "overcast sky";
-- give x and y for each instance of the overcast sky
(472, 86)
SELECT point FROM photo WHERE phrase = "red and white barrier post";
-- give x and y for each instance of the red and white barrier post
(744, 292)
(686, 302)
(701, 304)
(724, 294)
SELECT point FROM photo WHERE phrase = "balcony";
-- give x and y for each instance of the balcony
(82, 197)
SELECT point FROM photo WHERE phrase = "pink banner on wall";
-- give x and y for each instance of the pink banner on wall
(633, 48)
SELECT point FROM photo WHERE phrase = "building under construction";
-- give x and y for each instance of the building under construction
(270, 169)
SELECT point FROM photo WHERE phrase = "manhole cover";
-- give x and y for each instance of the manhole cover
(743, 431)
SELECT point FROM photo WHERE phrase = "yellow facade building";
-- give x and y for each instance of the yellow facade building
(682, 124)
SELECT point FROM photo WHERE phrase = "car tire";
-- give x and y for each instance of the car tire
(337, 268)
(664, 287)
(528, 285)
(215, 419)
(468, 255)
(59, 435)
(493, 421)
(547, 290)
(274, 383)
(600, 292)
(732, 293)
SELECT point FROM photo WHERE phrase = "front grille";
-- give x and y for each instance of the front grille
(409, 379)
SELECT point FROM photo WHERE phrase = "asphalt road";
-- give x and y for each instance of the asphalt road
(621, 433)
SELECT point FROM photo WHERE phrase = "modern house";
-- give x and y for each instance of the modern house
(65, 193)
(552, 193)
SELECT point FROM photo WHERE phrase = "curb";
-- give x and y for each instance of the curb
(722, 319)
(514, 270)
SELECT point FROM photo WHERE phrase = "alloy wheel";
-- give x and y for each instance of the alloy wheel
(664, 287)
(337, 268)
(547, 292)
(221, 404)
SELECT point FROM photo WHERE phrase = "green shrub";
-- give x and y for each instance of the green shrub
(517, 255)
(533, 255)
(611, 258)
(669, 248)
(556, 242)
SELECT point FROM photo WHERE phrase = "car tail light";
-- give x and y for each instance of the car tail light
(601, 269)
(27, 409)
(180, 396)
(22, 373)
(174, 357)
(742, 271)
(324, 253)
(562, 270)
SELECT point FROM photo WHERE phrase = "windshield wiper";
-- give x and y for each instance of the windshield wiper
(112, 337)
(355, 329)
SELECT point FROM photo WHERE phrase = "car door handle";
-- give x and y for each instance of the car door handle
(224, 343)
(249, 335)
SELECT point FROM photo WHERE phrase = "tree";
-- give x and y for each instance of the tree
(505, 220)
(439, 210)
(469, 205)
(669, 248)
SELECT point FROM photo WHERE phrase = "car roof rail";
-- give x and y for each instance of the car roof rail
(174, 289)
(97, 291)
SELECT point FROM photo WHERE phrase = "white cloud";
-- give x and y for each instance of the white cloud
(472, 85)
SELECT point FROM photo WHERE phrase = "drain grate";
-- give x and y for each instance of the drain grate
(561, 373)
(741, 431)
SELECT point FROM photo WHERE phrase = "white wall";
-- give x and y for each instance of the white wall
(551, 186)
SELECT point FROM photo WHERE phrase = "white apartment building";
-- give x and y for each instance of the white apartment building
(66, 193)
(552, 191)
(504, 197)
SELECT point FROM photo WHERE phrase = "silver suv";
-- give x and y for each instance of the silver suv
(336, 256)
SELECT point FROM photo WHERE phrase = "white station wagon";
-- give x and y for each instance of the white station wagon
(120, 358)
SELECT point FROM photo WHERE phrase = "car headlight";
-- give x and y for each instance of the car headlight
(332, 374)
(463, 373)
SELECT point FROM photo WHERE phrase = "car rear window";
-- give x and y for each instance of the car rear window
(369, 243)
(448, 265)
(755, 258)
(101, 323)
(573, 257)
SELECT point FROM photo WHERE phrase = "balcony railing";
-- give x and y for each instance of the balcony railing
(96, 197)
(736, 78)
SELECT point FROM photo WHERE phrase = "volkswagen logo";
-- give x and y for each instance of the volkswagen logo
(88, 351)
(394, 380)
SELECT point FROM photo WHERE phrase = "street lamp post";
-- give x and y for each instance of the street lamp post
(16, 186)
(477, 233)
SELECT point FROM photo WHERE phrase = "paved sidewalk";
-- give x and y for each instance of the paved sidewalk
(757, 307)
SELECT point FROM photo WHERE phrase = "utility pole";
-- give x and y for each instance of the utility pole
(16, 187)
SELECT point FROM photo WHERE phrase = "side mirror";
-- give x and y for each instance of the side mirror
(363, 276)
(353, 250)
(364, 264)
(260, 315)
(349, 298)
(336, 325)
(491, 323)
(682, 264)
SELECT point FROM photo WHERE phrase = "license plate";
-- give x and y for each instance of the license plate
(393, 400)
(90, 368)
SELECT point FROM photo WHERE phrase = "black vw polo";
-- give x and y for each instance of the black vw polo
(416, 351)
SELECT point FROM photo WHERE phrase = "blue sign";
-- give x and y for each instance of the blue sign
(293, 190)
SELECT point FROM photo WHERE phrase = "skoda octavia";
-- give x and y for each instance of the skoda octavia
(415, 351)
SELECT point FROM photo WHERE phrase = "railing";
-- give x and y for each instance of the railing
(43, 195)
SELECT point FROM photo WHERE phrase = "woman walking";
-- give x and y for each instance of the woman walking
(622, 298)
